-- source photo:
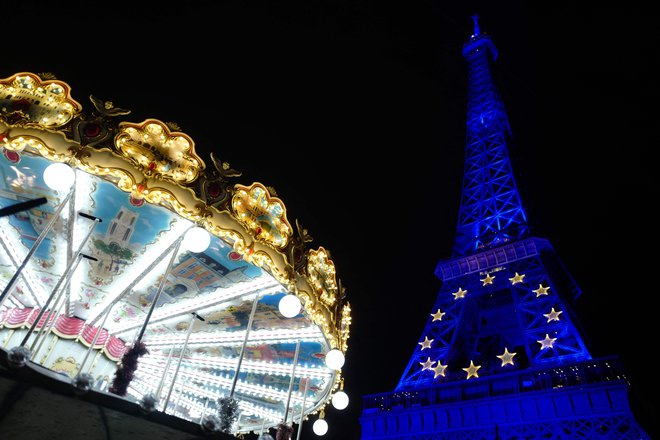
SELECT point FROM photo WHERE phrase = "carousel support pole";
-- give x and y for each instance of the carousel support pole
(293, 371)
(69, 245)
(92, 366)
(133, 283)
(245, 340)
(302, 410)
(66, 275)
(125, 372)
(50, 350)
(14, 279)
(206, 404)
(91, 347)
(42, 334)
(14, 263)
(161, 286)
(162, 379)
(134, 338)
(183, 350)
(229, 405)
(238, 422)
(178, 399)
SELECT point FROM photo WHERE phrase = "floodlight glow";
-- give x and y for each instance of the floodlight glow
(334, 359)
(320, 427)
(340, 400)
(197, 239)
(59, 176)
(289, 306)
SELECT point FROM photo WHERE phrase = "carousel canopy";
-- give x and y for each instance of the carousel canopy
(123, 233)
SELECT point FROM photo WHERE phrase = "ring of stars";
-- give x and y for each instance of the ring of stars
(427, 364)
(541, 290)
(437, 316)
(506, 357)
(553, 315)
(488, 279)
(547, 342)
(517, 278)
(426, 343)
(460, 293)
(472, 370)
(439, 370)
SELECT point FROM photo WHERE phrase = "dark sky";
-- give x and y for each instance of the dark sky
(354, 111)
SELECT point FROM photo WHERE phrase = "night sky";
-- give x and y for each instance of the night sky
(354, 111)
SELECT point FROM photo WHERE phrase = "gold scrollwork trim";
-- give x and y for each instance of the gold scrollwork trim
(344, 326)
(21, 142)
(262, 214)
(321, 272)
(159, 153)
(31, 101)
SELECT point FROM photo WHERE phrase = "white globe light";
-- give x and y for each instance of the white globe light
(59, 176)
(334, 359)
(320, 427)
(289, 306)
(197, 239)
(340, 400)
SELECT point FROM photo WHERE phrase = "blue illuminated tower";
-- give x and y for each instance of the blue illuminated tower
(501, 355)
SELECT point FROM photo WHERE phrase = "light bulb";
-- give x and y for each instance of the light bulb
(59, 176)
(320, 427)
(289, 305)
(197, 239)
(334, 359)
(340, 400)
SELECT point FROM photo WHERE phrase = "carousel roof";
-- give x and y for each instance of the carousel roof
(140, 191)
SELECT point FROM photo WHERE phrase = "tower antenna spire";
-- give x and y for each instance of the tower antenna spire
(477, 31)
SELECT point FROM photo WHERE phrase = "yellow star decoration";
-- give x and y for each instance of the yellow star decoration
(553, 315)
(517, 278)
(487, 280)
(427, 365)
(548, 342)
(506, 357)
(472, 370)
(541, 290)
(426, 343)
(439, 370)
(460, 293)
(437, 316)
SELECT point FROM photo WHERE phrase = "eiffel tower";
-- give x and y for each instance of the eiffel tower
(502, 355)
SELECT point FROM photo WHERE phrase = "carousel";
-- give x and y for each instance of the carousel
(130, 266)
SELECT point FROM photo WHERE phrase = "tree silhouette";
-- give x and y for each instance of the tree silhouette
(115, 251)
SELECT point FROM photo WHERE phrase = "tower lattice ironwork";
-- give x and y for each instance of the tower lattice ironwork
(502, 355)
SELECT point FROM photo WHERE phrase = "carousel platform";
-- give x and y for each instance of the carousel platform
(37, 403)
